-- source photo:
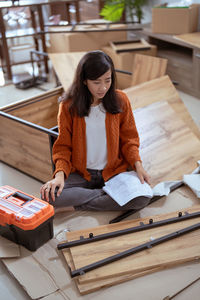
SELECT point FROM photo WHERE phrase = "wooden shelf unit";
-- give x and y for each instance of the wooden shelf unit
(183, 60)
(35, 9)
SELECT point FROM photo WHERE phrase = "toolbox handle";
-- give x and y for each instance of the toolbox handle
(22, 196)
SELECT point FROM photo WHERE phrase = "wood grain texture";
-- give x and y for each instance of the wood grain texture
(124, 60)
(180, 250)
(85, 288)
(190, 38)
(65, 65)
(161, 89)
(168, 148)
(146, 68)
(43, 112)
(25, 149)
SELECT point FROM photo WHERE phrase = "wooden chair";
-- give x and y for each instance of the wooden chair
(145, 68)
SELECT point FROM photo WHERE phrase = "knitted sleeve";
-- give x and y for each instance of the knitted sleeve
(63, 145)
(129, 138)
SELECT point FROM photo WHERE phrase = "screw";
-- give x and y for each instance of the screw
(91, 235)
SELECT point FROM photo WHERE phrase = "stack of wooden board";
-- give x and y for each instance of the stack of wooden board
(169, 148)
(179, 250)
(169, 137)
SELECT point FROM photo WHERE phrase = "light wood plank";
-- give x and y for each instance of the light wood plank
(190, 38)
(161, 89)
(146, 68)
(65, 65)
(85, 288)
(170, 253)
(25, 148)
(168, 147)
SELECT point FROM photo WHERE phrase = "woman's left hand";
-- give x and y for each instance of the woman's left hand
(142, 174)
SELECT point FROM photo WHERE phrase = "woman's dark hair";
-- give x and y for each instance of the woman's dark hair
(92, 65)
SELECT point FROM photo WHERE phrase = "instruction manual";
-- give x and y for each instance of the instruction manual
(126, 186)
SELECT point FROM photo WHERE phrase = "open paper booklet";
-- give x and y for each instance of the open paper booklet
(127, 186)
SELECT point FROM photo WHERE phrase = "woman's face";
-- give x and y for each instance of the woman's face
(99, 87)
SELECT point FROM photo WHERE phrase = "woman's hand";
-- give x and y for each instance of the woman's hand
(142, 174)
(50, 186)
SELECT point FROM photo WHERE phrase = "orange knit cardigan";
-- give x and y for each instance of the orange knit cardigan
(69, 150)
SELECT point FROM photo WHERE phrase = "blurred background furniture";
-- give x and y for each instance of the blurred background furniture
(35, 15)
(183, 59)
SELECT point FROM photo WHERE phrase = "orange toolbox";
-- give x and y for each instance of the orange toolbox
(24, 219)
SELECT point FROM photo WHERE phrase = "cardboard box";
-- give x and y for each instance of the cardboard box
(83, 41)
(175, 20)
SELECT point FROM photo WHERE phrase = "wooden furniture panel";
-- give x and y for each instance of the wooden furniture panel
(168, 254)
(124, 61)
(26, 132)
(168, 148)
(42, 112)
(196, 74)
(25, 148)
(183, 53)
(85, 288)
(190, 38)
(161, 89)
(65, 65)
(146, 68)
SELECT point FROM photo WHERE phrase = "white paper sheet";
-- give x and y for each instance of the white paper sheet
(193, 181)
(164, 188)
(127, 186)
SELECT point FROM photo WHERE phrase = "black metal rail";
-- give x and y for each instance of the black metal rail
(103, 262)
(141, 227)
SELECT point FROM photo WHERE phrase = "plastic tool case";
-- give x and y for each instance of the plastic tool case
(24, 219)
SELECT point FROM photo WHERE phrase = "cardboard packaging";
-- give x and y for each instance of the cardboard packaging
(83, 41)
(175, 20)
(24, 219)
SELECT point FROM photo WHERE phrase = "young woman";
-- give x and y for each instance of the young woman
(97, 140)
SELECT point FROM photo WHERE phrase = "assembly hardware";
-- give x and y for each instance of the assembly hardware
(142, 226)
(110, 259)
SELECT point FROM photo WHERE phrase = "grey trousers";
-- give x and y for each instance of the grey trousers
(88, 195)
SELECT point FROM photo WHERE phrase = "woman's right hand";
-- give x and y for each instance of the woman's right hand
(50, 186)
